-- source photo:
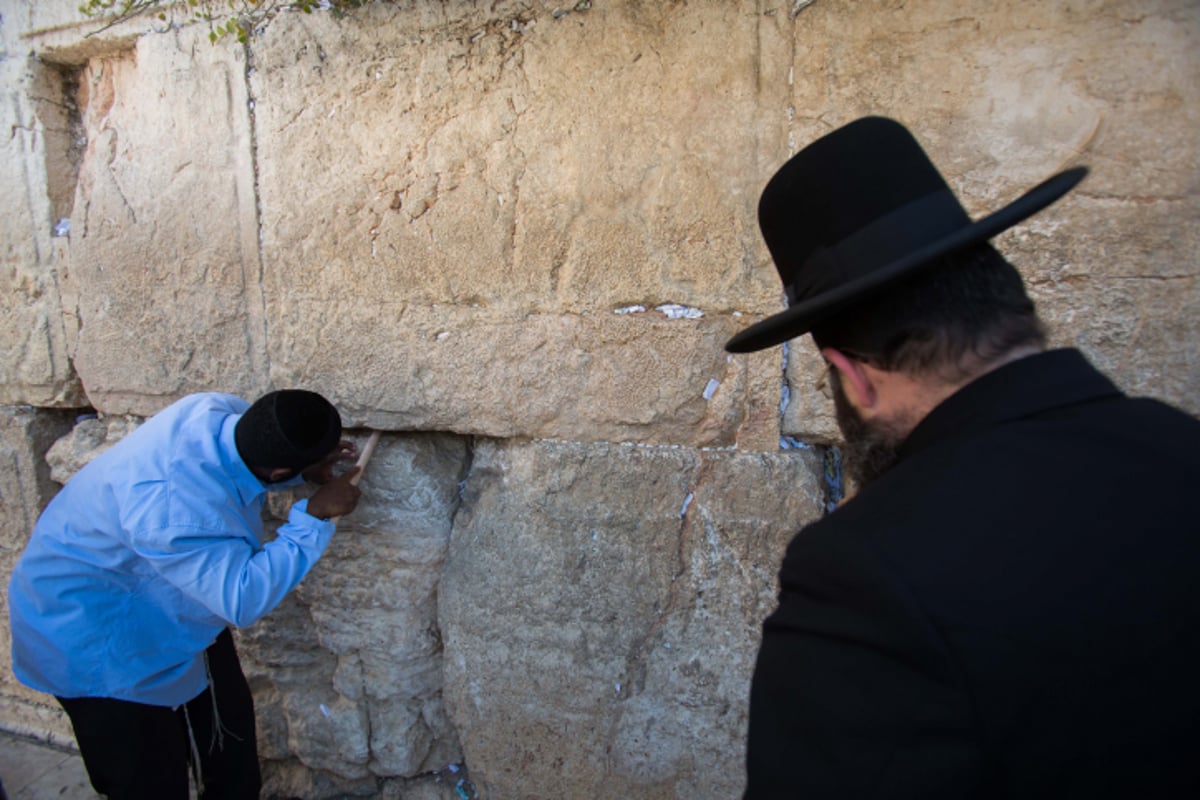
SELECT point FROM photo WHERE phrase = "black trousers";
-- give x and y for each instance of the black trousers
(134, 751)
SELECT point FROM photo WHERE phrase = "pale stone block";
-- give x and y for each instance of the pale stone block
(347, 671)
(434, 212)
(481, 203)
(35, 171)
(25, 489)
(164, 238)
(23, 18)
(1004, 95)
(88, 438)
(610, 597)
(507, 158)
(631, 377)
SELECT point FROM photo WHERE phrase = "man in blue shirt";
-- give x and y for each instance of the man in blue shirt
(120, 603)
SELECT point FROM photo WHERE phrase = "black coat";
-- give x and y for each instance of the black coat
(1012, 611)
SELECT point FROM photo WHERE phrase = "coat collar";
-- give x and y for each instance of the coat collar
(1028, 386)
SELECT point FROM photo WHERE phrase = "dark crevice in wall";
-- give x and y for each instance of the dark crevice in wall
(458, 774)
(464, 474)
(32, 478)
(252, 121)
(832, 478)
(57, 98)
(55, 95)
(835, 483)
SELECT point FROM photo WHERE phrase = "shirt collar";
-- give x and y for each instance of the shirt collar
(1018, 389)
(249, 487)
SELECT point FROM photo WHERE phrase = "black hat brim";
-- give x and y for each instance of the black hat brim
(800, 317)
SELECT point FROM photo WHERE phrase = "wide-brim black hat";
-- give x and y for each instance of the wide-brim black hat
(859, 209)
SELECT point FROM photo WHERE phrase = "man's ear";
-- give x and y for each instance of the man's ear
(859, 387)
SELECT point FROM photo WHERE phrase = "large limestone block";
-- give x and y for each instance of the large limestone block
(619, 377)
(164, 261)
(35, 169)
(458, 201)
(347, 672)
(25, 489)
(88, 438)
(21, 18)
(1005, 94)
(601, 608)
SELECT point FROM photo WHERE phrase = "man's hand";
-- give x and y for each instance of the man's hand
(335, 498)
(322, 471)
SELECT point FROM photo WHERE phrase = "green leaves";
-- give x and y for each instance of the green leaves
(125, 8)
(246, 17)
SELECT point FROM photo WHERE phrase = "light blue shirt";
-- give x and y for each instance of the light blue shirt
(146, 555)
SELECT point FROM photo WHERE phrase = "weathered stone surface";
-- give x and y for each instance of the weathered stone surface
(464, 217)
(88, 438)
(347, 671)
(25, 488)
(504, 182)
(34, 367)
(631, 377)
(1004, 95)
(808, 414)
(629, 584)
(506, 158)
(474, 182)
(164, 262)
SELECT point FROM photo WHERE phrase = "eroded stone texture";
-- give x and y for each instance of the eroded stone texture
(630, 377)
(629, 584)
(347, 670)
(38, 183)
(457, 200)
(808, 413)
(25, 489)
(88, 438)
(465, 217)
(1004, 95)
(164, 262)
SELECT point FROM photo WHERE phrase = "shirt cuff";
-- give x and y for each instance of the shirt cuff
(298, 515)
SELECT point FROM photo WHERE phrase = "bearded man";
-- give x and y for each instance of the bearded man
(1010, 604)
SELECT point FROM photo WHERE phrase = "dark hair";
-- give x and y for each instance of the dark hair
(970, 308)
(291, 428)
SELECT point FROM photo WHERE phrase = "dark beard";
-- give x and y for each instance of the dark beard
(871, 449)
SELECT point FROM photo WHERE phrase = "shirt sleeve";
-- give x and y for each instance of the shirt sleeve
(854, 694)
(223, 571)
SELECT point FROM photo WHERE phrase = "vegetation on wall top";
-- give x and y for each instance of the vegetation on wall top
(236, 18)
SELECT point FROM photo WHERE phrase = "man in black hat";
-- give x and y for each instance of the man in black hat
(121, 602)
(1010, 604)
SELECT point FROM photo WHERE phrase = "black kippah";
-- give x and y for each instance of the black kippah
(291, 428)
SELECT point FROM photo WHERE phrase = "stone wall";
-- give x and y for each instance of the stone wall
(514, 235)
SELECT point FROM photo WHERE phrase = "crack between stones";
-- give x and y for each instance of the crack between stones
(256, 194)
(464, 476)
(516, 185)
(368, 706)
(634, 674)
